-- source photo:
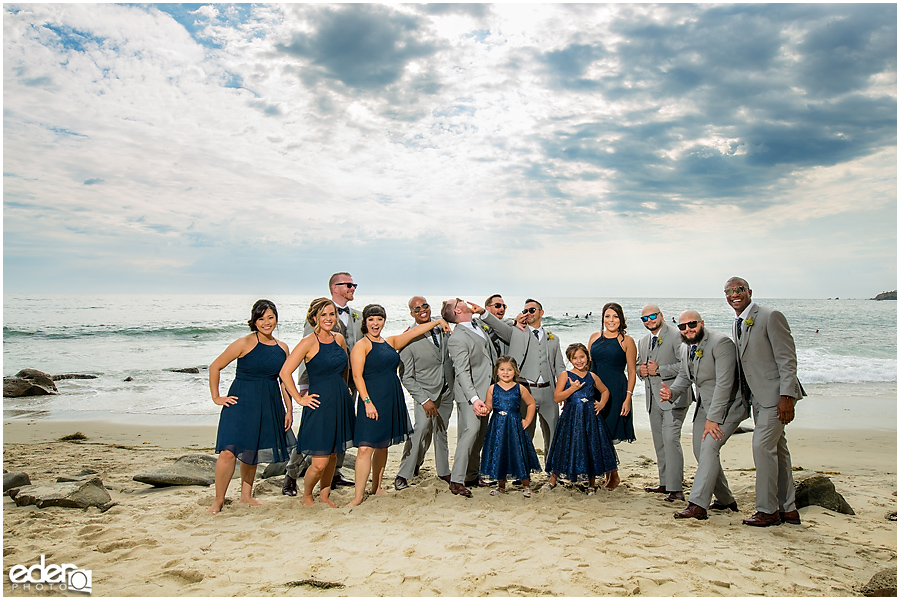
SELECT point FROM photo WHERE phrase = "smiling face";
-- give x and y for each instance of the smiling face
(656, 322)
(341, 292)
(374, 324)
(505, 372)
(327, 317)
(420, 310)
(496, 307)
(267, 322)
(579, 360)
(738, 295)
(693, 327)
(533, 318)
(611, 320)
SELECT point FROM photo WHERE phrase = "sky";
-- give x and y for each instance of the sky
(608, 150)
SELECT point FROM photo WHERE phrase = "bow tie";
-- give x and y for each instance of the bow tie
(345, 309)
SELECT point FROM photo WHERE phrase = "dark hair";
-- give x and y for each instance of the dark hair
(506, 358)
(540, 306)
(315, 309)
(618, 310)
(259, 309)
(489, 298)
(573, 348)
(372, 310)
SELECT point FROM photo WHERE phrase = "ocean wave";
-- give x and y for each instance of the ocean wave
(66, 333)
(816, 366)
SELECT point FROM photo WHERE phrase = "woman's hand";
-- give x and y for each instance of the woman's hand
(444, 325)
(626, 406)
(225, 400)
(310, 400)
(576, 384)
(288, 420)
(371, 411)
(598, 406)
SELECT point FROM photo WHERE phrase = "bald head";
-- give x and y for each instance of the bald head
(654, 324)
(419, 309)
(689, 315)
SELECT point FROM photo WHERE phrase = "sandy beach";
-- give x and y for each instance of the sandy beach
(424, 541)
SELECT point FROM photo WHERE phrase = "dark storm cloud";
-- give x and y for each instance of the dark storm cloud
(788, 85)
(365, 47)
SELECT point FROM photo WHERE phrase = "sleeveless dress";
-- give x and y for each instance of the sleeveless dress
(508, 450)
(327, 429)
(581, 446)
(608, 362)
(393, 425)
(253, 428)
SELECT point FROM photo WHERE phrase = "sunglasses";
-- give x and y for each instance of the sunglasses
(649, 317)
(735, 290)
(350, 286)
(691, 324)
(531, 310)
(419, 309)
(499, 305)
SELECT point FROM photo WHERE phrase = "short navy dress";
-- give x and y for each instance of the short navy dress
(327, 429)
(508, 450)
(608, 361)
(393, 425)
(253, 428)
(581, 446)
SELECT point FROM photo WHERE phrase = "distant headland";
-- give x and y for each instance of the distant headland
(886, 296)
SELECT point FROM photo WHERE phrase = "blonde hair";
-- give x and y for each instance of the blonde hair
(315, 309)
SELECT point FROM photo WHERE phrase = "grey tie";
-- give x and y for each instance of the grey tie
(738, 322)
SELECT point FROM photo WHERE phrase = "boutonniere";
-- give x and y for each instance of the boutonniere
(749, 322)
(698, 353)
(354, 314)
(659, 342)
(485, 328)
(549, 336)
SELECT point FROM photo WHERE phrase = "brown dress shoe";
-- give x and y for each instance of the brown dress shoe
(459, 489)
(660, 489)
(673, 496)
(444, 477)
(289, 487)
(716, 505)
(693, 511)
(792, 517)
(761, 519)
(479, 482)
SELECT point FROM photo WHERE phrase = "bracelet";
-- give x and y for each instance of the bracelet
(630, 392)
(367, 400)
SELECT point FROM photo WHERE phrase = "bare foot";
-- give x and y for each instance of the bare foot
(215, 507)
(379, 492)
(612, 480)
(355, 502)
(251, 501)
(307, 500)
(328, 502)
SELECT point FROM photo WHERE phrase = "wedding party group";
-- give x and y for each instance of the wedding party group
(505, 376)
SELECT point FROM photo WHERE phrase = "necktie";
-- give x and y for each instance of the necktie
(434, 338)
(737, 323)
(537, 336)
(693, 351)
(344, 310)
(653, 343)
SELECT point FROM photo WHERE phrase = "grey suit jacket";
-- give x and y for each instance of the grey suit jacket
(528, 351)
(352, 334)
(425, 370)
(768, 357)
(473, 363)
(715, 373)
(667, 356)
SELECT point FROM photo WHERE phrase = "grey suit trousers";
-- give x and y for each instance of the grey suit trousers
(471, 429)
(417, 444)
(774, 479)
(546, 412)
(710, 478)
(665, 427)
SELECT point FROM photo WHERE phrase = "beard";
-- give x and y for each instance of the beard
(700, 333)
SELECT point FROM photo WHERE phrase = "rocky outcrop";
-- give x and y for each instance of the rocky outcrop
(882, 584)
(15, 479)
(85, 475)
(273, 470)
(191, 469)
(819, 491)
(28, 382)
(73, 376)
(78, 494)
(185, 370)
(886, 296)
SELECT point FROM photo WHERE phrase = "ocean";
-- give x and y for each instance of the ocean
(845, 349)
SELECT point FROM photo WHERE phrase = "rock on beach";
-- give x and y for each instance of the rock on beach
(191, 469)
(28, 382)
(78, 494)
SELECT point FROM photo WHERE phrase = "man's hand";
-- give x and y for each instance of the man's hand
(712, 428)
(665, 392)
(652, 367)
(430, 409)
(643, 371)
(480, 408)
(475, 308)
(785, 410)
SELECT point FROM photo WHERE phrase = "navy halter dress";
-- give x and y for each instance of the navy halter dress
(327, 429)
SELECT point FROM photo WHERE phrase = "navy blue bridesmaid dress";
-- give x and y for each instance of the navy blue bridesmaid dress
(327, 429)
(608, 362)
(393, 425)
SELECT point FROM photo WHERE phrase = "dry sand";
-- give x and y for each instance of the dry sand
(424, 541)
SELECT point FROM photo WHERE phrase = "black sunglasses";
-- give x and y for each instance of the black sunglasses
(419, 309)
(531, 310)
(691, 324)
(499, 305)
(349, 285)
(649, 317)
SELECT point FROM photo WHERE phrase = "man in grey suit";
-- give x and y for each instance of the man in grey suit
(349, 324)
(767, 363)
(427, 374)
(497, 307)
(537, 352)
(658, 362)
(707, 362)
(473, 357)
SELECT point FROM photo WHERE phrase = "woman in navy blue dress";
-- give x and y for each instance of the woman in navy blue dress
(382, 418)
(326, 425)
(581, 446)
(612, 353)
(256, 417)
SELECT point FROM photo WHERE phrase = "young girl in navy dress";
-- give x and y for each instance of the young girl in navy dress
(582, 446)
(507, 447)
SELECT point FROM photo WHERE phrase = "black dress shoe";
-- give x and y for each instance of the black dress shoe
(339, 479)
(479, 482)
(400, 483)
(289, 487)
(673, 496)
(719, 506)
(416, 472)
(792, 517)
